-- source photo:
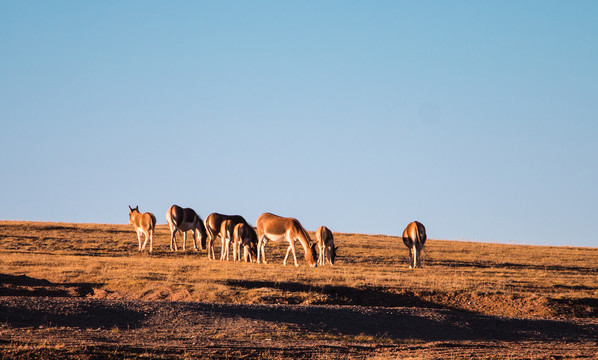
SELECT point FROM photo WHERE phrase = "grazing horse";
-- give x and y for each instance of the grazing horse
(183, 220)
(414, 237)
(276, 228)
(226, 234)
(326, 246)
(213, 224)
(246, 239)
(144, 224)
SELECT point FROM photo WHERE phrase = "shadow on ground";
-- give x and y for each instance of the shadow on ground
(410, 323)
(22, 285)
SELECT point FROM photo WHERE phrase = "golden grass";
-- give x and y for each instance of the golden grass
(495, 279)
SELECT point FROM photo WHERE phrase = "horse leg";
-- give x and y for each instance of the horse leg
(261, 246)
(235, 242)
(227, 248)
(195, 234)
(146, 238)
(321, 254)
(418, 255)
(287, 255)
(294, 254)
(151, 240)
(184, 240)
(211, 255)
(173, 240)
(411, 258)
(222, 247)
(139, 239)
(292, 248)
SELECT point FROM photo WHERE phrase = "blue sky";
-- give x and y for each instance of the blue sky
(478, 119)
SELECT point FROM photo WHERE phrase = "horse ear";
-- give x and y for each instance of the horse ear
(130, 208)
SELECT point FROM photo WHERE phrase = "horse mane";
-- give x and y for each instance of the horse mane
(309, 242)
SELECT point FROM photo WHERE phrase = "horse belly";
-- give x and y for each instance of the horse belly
(276, 237)
(186, 226)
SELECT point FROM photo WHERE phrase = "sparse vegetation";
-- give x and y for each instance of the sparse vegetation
(101, 263)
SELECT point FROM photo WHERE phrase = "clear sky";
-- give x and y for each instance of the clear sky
(477, 118)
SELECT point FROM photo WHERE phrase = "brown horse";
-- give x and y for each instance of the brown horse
(183, 220)
(326, 246)
(276, 228)
(414, 237)
(246, 239)
(213, 224)
(144, 224)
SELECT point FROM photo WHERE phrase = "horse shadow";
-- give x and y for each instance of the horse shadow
(70, 313)
(414, 322)
(51, 304)
(22, 285)
(508, 265)
(344, 295)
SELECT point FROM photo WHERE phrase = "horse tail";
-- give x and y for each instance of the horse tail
(421, 233)
(153, 222)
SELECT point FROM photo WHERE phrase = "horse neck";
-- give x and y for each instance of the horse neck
(135, 217)
(304, 239)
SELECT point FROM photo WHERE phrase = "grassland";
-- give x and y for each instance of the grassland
(464, 284)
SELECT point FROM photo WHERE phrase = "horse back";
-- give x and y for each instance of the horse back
(415, 231)
(275, 225)
(214, 221)
(145, 221)
(324, 235)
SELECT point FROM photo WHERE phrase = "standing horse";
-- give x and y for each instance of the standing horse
(414, 237)
(326, 246)
(246, 239)
(183, 220)
(213, 224)
(144, 224)
(276, 228)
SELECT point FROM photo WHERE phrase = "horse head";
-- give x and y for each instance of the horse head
(311, 255)
(132, 212)
(331, 253)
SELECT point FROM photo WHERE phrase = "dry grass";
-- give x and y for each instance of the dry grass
(494, 279)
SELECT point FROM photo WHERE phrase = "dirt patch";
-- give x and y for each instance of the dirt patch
(88, 328)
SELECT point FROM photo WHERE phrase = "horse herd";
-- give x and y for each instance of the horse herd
(234, 231)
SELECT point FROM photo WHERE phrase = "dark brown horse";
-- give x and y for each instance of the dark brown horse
(246, 239)
(213, 225)
(414, 237)
(183, 220)
(326, 246)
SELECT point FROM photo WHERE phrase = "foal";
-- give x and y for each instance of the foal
(326, 246)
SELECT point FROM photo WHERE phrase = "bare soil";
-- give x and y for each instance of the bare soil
(76, 327)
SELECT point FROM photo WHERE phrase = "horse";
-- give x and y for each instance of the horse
(213, 224)
(183, 220)
(226, 234)
(414, 237)
(246, 239)
(276, 228)
(326, 246)
(144, 224)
